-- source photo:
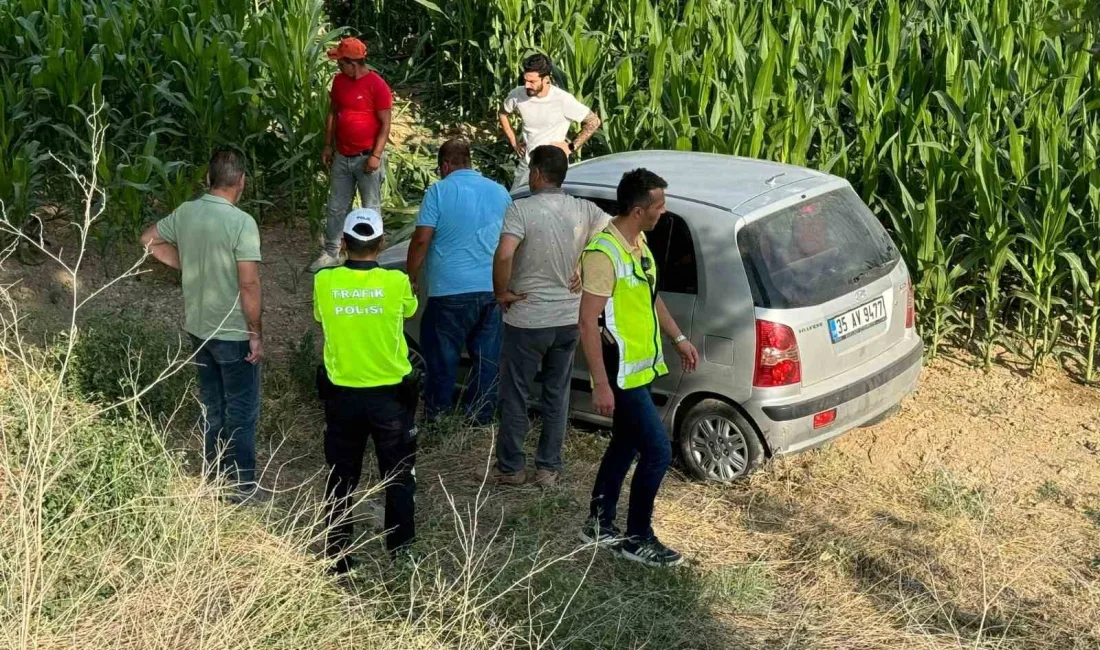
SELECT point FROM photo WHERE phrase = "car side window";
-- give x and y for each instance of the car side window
(672, 248)
(680, 274)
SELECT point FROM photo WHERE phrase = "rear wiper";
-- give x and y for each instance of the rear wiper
(862, 274)
(859, 276)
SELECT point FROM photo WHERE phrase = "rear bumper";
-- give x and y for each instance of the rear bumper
(788, 425)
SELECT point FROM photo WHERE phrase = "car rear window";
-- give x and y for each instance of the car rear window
(815, 251)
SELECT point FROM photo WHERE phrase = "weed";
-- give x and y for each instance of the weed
(302, 363)
(948, 495)
(448, 433)
(116, 354)
(746, 588)
(1049, 491)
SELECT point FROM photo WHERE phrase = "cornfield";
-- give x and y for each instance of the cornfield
(968, 128)
(178, 78)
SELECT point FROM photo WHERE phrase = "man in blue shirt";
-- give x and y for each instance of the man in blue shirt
(457, 232)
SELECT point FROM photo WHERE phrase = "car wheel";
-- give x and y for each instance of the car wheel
(415, 357)
(882, 417)
(717, 442)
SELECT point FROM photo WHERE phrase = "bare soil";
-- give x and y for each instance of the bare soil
(969, 520)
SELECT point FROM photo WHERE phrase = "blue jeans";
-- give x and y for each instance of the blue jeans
(473, 321)
(636, 430)
(229, 388)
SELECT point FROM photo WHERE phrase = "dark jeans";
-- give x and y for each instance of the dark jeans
(353, 416)
(523, 353)
(636, 431)
(229, 388)
(470, 320)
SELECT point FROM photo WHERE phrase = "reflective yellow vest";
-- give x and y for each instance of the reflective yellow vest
(362, 309)
(630, 315)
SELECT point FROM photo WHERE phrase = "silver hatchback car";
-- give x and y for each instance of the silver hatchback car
(794, 294)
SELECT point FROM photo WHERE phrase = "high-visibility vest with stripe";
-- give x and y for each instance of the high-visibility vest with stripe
(630, 315)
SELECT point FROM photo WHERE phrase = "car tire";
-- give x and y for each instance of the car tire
(416, 358)
(888, 414)
(718, 443)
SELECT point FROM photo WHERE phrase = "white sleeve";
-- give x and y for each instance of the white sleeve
(511, 101)
(573, 109)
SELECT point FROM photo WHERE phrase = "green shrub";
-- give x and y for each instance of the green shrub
(116, 355)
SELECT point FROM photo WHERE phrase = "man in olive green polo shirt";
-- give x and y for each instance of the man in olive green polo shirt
(216, 247)
(367, 384)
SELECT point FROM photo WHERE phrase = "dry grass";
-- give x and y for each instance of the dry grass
(944, 528)
(107, 541)
(967, 522)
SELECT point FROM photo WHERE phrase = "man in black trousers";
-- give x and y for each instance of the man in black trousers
(367, 384)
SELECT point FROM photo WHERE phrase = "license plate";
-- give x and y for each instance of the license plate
(857, 320)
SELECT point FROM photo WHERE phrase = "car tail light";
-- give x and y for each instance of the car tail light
(824, 418)
(910, 316)
(777, 362)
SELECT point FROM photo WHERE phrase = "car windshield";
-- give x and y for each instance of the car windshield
(815, 251)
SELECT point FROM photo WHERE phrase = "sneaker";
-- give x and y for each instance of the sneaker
(324, 261)
(545, 478)
(257, 496)
(594, 533)
(497, 477)
(650, 552)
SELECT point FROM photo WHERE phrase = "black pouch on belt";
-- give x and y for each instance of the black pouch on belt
(324, 386)
(408, 391)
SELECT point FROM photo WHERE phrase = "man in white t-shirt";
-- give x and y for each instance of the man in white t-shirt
(546, 111)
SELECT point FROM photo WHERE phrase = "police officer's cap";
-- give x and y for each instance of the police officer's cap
(368, 221)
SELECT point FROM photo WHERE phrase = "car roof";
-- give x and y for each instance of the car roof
(720, 181)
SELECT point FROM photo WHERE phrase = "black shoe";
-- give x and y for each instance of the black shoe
(650, 552)
(593, 532)
(342, 566)
(257, 496)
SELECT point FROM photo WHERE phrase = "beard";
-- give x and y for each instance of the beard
(531, 93)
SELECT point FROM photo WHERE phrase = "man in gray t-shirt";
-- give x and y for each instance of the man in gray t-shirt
(533, 272)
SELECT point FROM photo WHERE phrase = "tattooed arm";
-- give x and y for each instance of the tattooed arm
(588, 127)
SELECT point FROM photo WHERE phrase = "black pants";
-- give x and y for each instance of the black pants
(352, 417)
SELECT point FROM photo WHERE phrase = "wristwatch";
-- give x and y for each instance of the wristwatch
(572, 147)
(679, 339)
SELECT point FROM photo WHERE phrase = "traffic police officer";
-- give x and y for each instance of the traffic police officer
(366, 383)
(621, 320)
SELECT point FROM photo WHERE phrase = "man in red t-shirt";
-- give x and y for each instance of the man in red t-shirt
(359, 126)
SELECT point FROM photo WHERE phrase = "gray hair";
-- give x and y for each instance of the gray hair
(226, 169)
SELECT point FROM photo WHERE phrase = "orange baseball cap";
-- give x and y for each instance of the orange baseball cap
(349, 48)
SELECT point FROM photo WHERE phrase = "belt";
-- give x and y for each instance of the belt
(365, 152)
